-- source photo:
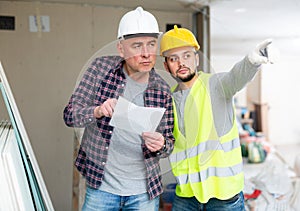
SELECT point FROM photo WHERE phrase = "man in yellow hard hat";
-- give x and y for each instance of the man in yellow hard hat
(121, 168)
(206, 159)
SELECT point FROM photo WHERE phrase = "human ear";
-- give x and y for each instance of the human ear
(120, 49)
(197, 60)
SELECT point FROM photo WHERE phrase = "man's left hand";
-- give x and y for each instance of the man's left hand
(263, 53)
(153, 140)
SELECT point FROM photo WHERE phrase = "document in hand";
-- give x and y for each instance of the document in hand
(135, 119)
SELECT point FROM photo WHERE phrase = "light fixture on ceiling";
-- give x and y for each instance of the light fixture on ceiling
(240, 10)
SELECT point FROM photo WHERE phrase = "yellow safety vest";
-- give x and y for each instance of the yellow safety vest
(205, 165)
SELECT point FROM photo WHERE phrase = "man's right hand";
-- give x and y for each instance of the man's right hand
(106, 109)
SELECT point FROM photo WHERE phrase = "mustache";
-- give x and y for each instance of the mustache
(182, 67)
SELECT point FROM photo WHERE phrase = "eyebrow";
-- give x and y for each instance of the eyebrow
(138, 43)
(182, 53)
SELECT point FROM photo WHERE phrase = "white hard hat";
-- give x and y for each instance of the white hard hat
(138, 21)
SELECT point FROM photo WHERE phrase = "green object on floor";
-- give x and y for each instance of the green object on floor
(256, 153)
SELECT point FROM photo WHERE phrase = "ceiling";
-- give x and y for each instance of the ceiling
(273, 17)
(175, 5)
(244, 21)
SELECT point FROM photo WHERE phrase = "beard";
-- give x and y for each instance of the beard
(187, 78)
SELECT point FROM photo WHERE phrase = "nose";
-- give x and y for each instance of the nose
(180, 62)
(145, 51)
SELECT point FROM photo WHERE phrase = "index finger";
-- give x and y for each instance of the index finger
(264, 44)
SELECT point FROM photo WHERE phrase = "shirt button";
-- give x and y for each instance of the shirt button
(110, 132)
(106, 147)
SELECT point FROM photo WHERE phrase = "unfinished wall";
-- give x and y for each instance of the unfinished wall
(42, 69)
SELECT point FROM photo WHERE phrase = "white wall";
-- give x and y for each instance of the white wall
(280, 88)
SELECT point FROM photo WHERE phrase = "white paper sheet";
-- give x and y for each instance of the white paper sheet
(135, 119)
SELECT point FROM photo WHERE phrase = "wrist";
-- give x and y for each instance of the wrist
(97, 112)
(163, 148)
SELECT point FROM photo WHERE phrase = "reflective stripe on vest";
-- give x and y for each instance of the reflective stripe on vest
(211, 171)
(205, 146)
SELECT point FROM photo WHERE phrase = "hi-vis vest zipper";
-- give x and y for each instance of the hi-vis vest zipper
(205, 165)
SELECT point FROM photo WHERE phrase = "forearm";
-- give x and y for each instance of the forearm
(237, 78)
(78, 115)
(80, 108)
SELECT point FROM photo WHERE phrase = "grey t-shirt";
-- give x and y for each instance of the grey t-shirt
(125, 170)
(180, 99)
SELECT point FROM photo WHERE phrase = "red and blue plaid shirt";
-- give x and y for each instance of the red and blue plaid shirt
(105, 79)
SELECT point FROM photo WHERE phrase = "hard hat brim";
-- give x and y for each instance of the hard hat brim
(128, 36)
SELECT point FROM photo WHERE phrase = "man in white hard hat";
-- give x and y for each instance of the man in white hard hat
(122, 168)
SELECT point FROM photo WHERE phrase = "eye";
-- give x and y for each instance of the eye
(136, 46)
(187, 55)
(152, 44)
(173, 58)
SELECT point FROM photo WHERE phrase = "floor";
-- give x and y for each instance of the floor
(289, 153)
(278, 179)
(281, 154)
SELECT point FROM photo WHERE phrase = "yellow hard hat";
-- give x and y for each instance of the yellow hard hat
(177, 37)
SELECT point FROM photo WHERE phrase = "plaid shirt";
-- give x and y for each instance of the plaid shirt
(105, 79)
